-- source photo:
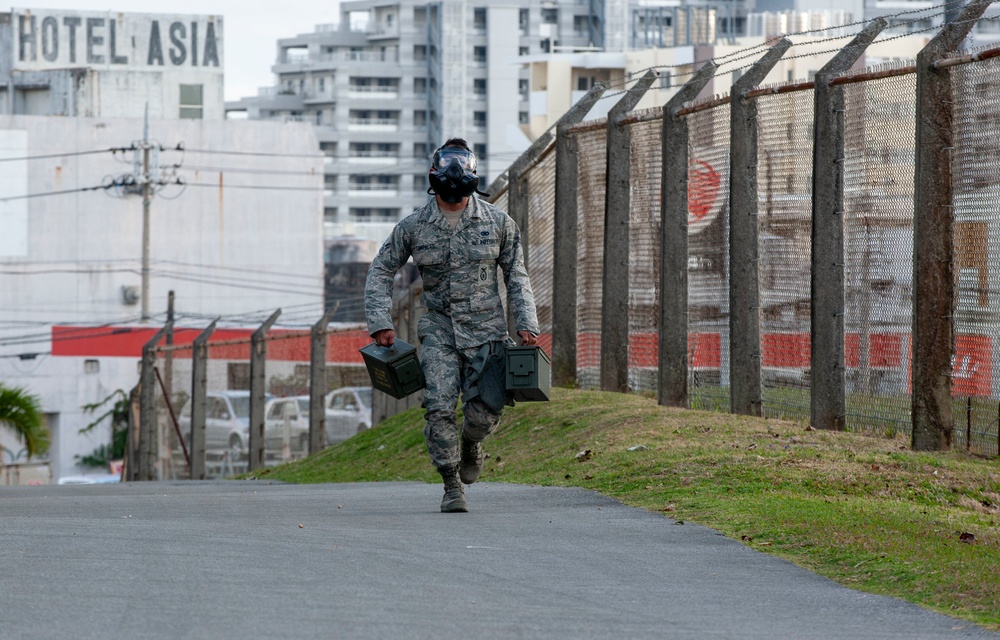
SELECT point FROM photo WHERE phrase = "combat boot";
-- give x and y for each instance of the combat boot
(454, 493)
(472, 461)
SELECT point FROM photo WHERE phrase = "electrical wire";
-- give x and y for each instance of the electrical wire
(263, 154)
(67, 154)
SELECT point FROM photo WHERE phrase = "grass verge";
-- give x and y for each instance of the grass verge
(867, 512)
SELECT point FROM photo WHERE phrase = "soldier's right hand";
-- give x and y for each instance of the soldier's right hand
(384, 338)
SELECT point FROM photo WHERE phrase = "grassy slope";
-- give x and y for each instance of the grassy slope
(864, 511)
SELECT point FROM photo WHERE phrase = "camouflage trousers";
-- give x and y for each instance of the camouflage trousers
(448, 373)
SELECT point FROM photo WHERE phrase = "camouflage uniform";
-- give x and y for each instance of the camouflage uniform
(464, 310)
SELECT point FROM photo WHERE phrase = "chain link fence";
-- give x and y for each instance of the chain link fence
(784, 205)
(590, 254)
(708, 258)
(880, 125)
(252, 398)
(877, 157)
(976, 166)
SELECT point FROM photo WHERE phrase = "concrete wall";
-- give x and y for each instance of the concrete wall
(247, 243)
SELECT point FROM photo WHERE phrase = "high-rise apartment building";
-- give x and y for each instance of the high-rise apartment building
(395, 78)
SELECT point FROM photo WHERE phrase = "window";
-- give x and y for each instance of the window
(480, 151)
(522, 51)
(479, 118)
(522, 88)
(422, 150)
(420, 118)
(479, 18)
(479, 54)
(322, 85)
(550, 16)
(328, 148)
(479, 86)
(522, 117)
(665, 80)
(420, 86)
(191, 102)
(523, 20)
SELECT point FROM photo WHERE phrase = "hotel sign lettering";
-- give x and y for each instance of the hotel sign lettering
(61, 39)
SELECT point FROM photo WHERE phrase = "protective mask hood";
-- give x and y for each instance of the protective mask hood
(453, 183)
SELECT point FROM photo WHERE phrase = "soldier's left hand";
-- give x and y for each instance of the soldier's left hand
(528, 339)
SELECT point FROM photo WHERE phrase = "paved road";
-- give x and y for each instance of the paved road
(252, 559)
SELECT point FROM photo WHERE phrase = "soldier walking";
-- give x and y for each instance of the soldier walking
(457, 242)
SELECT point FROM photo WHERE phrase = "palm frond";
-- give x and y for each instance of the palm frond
(21, 413)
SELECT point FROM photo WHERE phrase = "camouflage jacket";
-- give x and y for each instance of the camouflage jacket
(459, 271)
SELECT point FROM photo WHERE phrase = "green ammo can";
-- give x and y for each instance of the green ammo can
(394, 370)
(529, 373)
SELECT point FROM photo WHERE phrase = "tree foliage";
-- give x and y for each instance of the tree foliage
(116, 407)
(21, 413)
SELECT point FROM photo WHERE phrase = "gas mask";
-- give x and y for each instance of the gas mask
(453, 174)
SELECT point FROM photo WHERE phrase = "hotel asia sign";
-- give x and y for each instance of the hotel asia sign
(60, 39)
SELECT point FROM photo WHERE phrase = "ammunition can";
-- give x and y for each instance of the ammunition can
(529, 374)
(394, 370)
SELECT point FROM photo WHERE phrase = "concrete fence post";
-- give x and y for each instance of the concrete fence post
(147, 445)
(672, 389)
(199, 394)
(828, 404)
(746, 394)
(617, 203)
(258, 388)
(564, 243)
(933, 239)
(317, 381)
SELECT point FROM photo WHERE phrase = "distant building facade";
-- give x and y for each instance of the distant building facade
(231, 235)
(111, 64)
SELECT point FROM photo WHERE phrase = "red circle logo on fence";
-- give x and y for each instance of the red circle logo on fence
(704, 190)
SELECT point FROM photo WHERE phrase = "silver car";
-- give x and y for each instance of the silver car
(227, 422)
(348, 412)
(284, 421)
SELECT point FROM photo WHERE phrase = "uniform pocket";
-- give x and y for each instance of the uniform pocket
(484, 252)
(430, 256)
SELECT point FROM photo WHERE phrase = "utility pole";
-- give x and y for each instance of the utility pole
(147, 198)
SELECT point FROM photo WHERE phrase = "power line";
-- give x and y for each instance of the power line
(264, 154)
(52, 193)
(248, 186)
(67, 154)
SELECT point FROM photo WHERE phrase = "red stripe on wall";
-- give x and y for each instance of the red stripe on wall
(127, 342)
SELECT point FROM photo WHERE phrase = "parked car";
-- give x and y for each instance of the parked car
(282, 412)
(227, 422)
(348, 412)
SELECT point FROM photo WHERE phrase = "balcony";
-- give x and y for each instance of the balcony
(383, 31)
(372, 191)
(372, 158)
(372, 124)
(373, 92)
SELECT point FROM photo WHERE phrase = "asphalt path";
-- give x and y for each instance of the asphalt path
(252, 559)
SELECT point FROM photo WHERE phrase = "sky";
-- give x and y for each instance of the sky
(252, 29)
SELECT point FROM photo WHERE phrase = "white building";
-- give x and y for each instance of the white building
(110, 64)
(235, 221)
